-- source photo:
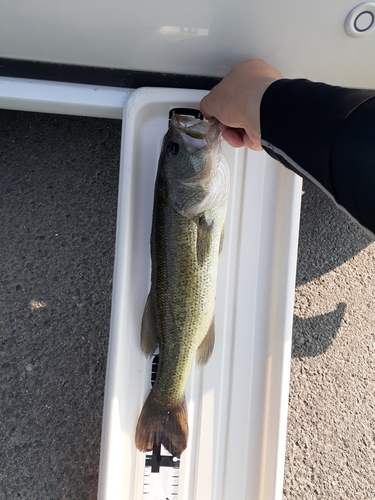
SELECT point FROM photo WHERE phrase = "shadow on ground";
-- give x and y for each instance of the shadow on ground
(313, 336)
(328, 238)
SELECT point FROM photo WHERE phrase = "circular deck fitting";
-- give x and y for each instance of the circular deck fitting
(361, 20)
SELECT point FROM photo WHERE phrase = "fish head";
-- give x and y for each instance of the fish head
(192, 166)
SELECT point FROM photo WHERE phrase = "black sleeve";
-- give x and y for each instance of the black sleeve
(326, 134)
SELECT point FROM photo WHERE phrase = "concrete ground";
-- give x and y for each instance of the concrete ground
(58, 195)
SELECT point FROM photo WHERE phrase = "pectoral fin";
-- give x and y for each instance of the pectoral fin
(204, 237)
(149, 336)
(206, 347)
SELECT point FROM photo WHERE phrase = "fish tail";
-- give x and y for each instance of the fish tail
(168, 427)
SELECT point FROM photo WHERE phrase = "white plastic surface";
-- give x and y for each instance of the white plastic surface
(238, 404)
(62, 98)
(302, 38)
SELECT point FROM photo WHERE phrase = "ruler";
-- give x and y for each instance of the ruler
(162, 474)
(162, 470)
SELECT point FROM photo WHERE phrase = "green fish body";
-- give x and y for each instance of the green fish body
(190, 201)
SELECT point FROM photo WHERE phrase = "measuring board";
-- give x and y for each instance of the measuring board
(238, 404)
(162, 470)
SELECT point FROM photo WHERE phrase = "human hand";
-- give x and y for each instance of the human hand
(235, 102)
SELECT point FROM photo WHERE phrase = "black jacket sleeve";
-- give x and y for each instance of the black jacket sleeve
(326, 134)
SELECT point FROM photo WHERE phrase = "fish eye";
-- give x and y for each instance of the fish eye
(172, 148)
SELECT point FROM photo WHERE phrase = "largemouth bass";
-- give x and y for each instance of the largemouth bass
(190, 201)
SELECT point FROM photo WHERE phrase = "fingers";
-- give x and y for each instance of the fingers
(233, 137)
(236, 100)
(212, 105)
(238, 138)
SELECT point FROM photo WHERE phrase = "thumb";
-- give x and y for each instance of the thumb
(205, 107)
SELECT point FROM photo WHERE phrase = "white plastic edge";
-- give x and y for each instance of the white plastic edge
(62, 98)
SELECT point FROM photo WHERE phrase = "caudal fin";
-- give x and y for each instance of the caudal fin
(167, 427)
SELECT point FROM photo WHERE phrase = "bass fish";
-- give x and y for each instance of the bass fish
(190, 201)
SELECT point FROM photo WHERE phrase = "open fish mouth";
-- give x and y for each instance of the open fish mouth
(196, 133)
(206, 184)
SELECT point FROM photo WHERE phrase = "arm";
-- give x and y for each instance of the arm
(324, 133)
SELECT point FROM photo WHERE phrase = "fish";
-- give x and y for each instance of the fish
(190, 203)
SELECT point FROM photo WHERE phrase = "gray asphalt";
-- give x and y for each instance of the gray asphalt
(58, 200)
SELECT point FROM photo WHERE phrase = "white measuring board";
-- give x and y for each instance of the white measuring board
(237, 404)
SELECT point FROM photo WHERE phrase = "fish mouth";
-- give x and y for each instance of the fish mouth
(209, 184)
(196, 133)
